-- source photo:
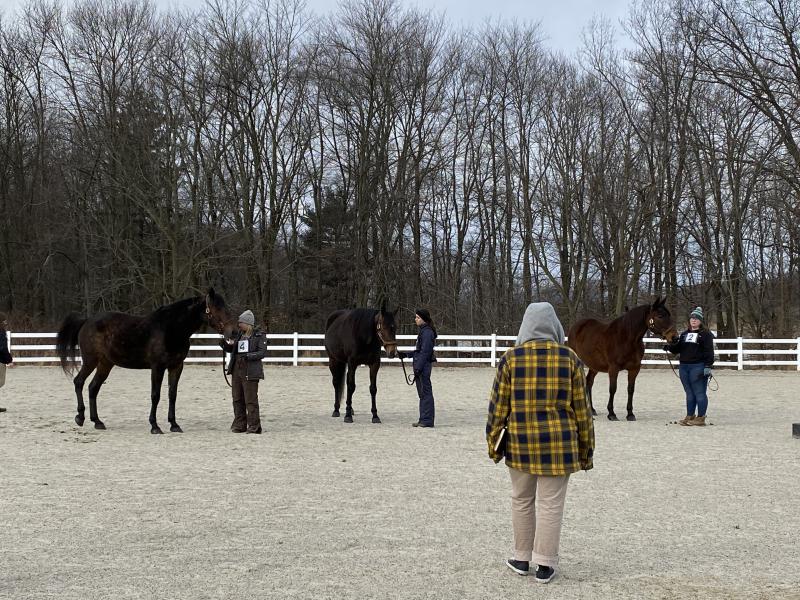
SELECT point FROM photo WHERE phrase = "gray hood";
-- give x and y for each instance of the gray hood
(540, 323)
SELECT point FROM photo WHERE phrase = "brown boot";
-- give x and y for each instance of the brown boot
(698, 421)
(687, 420)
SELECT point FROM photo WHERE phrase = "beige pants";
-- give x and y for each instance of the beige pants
(2, 374)
(537, 508)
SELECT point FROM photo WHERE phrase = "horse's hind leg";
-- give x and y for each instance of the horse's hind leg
(174, 377)
(632, 373)
(337, 375)
(612, 389)
(156, 378)
(351, 388)
(103, 369)
(79, 381)
(373, 389)
(589, 383)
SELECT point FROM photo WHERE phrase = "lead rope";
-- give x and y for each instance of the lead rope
(710, 377)
(409, 380)
(225, 368)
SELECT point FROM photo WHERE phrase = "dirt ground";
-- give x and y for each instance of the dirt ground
(315, 508)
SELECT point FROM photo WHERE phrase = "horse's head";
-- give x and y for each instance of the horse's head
(659, 320)
(219, 317)
(386, 330)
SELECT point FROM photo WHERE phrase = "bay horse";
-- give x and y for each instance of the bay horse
(352, 338)
(158, 341)
(616, 346)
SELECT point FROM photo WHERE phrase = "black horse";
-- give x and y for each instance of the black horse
(352, 338)
(158, 341)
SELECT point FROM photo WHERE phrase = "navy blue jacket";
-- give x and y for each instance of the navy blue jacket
(423, 353)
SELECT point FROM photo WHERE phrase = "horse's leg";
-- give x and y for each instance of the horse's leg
(80, 379)
(351, 387)
(589, 383)
(103, 369)
(337, 375)
(373, 389)
(612, 389)
(632, 373)
(174, 377)
(156, 378)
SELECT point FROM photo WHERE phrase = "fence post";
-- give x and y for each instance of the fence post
(295, 348)
(494, 349)
(740, 354)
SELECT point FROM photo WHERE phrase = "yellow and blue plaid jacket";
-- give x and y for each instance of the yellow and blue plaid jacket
(539, 392)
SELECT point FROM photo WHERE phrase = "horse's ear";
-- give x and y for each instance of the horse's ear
(383, 306)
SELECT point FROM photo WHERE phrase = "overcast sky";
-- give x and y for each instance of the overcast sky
(561, 20)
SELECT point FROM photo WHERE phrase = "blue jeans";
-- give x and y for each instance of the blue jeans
(694, 384)
(427, 410)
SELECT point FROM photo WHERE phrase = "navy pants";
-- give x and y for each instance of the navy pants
(427, 411)
(695, 385)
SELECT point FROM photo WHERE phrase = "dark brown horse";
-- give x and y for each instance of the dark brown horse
(616, 346)
(352, 338)
(158, 341)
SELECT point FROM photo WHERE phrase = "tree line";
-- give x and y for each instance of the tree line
(304, 163)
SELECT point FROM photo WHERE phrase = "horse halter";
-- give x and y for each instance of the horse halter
(378, 325)
(650, 322)
(214, 322)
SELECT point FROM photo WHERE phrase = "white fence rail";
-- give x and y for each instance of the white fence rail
(301, 348)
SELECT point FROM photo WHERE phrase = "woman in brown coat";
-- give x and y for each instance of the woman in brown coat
(246, 369)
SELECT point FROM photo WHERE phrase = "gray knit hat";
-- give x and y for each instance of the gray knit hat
(247, 317)
(697, 313)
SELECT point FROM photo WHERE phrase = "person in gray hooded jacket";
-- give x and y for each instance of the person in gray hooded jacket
(246, 369)
(538, 406)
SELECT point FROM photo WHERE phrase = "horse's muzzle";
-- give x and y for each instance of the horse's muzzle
(391, 350)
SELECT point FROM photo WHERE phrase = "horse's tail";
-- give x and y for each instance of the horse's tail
(67, 341)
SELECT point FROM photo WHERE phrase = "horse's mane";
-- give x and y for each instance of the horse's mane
(176, 311)
(364, 322)
(633, 320)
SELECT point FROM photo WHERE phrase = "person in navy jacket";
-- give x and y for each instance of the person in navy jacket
(424, 357)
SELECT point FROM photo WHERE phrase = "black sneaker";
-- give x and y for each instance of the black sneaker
(520, 567)
(544, 574)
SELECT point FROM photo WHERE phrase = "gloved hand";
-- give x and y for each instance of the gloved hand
(665, 348)
(707, 372)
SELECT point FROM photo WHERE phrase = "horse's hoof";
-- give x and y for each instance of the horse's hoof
(99, 425)
(612, 417)
(79, 420)
(156, 429)
(376, 419)
(335, 413)
(348, 418)
(630, 417)
(176, 429)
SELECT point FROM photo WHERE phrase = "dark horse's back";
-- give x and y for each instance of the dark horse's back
(120, 339)
(350, 336)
